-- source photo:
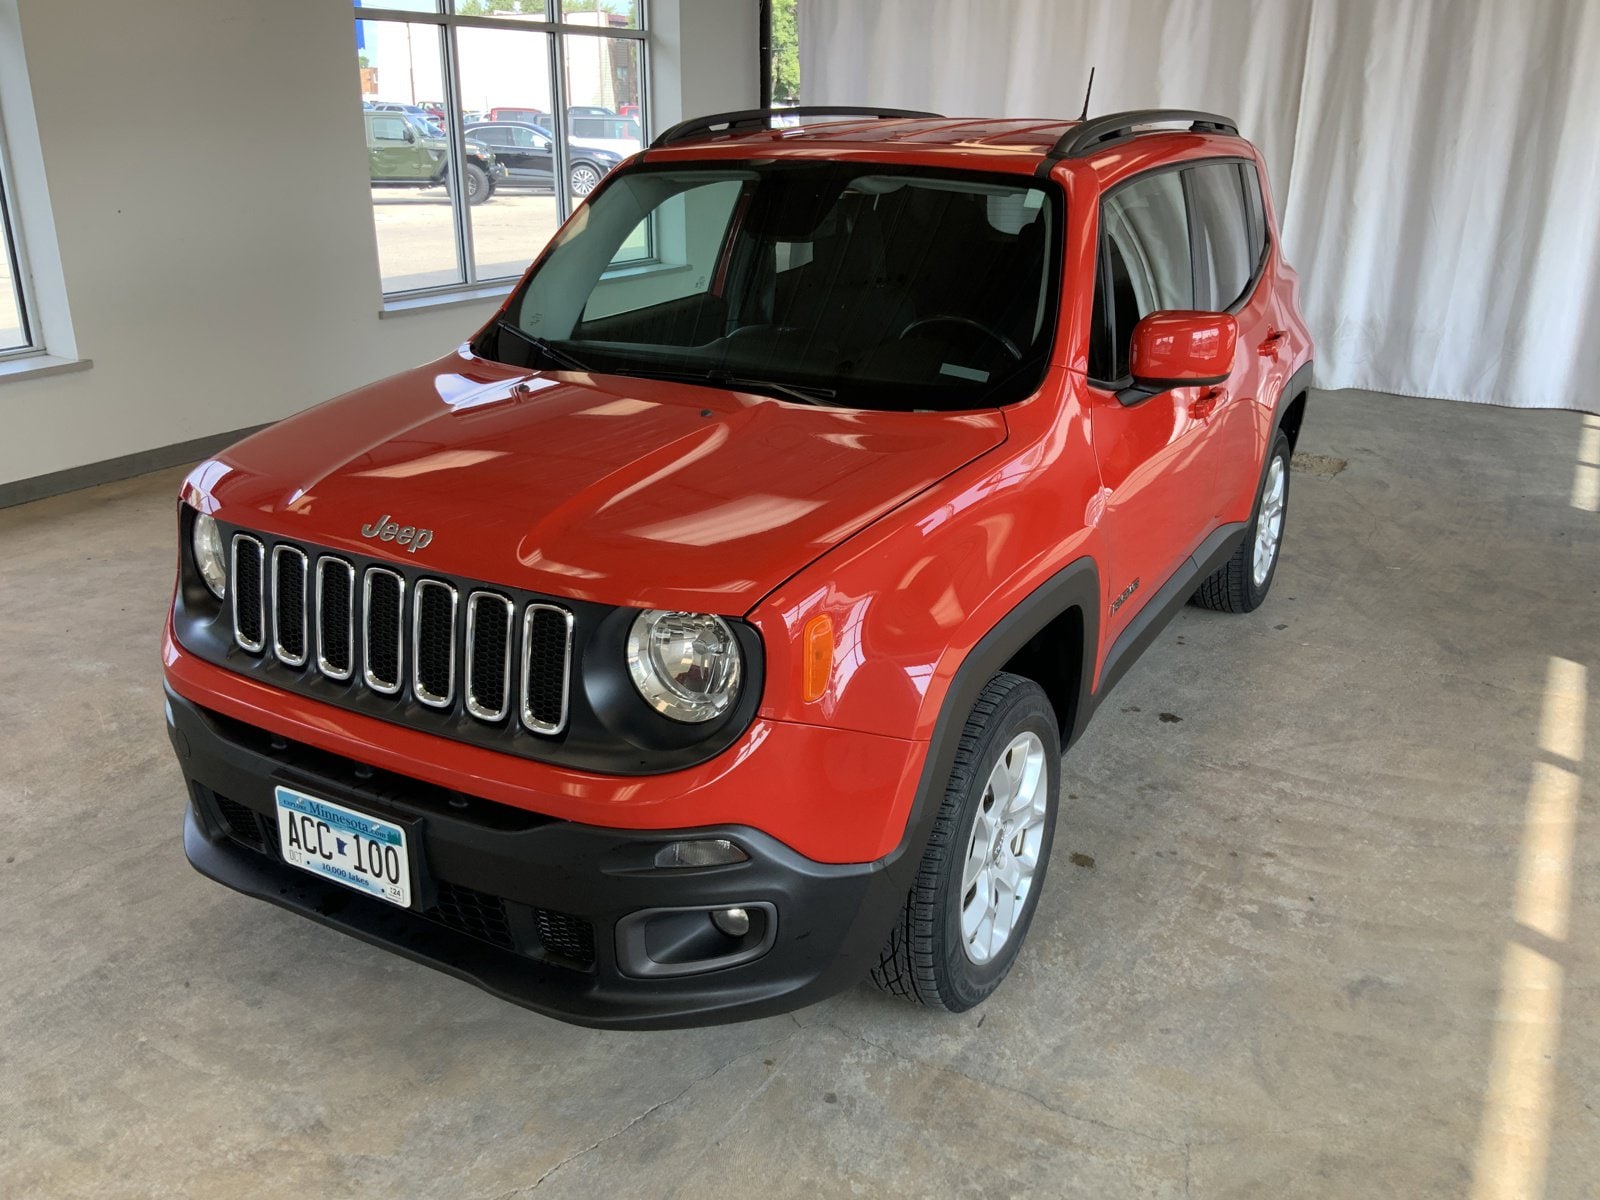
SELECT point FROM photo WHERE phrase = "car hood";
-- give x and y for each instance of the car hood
(622, 491)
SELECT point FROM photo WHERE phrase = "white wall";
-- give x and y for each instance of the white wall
(208, 181)
(705, 58)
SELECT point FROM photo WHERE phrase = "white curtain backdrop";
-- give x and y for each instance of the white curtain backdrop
(1436, 163)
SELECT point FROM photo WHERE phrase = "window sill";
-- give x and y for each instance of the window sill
(400, 306)
(35, 366)
(644, 268)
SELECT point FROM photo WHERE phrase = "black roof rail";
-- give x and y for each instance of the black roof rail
(1089, 136)
(762, 118)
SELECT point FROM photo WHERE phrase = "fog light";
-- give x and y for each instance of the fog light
(734, 922)
(708, 852)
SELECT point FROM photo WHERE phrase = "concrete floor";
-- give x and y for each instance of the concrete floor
(1334, 927)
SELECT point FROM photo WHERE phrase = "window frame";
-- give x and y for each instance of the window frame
(52, 346)
(11, 246)
(449, 23)
(1258, 268)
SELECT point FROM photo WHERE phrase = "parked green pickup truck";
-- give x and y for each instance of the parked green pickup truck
(406, 151)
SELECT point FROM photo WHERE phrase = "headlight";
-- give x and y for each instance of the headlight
(685, 665)
(209, 558)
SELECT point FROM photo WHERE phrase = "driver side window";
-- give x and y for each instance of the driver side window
(388, 129)
(1144, 266)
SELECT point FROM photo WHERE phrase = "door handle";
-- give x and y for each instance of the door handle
(1202, 408)
(1274, 343)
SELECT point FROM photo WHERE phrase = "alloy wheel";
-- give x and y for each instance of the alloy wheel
(1003, 849)
(1269, 523)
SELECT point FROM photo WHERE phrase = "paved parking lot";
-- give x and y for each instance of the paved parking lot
(416, 239)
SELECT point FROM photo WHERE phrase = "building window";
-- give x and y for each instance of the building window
(16, 335)
(486, 122)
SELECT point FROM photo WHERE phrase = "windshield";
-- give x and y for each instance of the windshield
(860, 285)
(424, 125)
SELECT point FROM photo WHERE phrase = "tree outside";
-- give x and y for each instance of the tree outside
(785, 54)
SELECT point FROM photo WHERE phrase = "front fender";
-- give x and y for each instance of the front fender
(912, 596)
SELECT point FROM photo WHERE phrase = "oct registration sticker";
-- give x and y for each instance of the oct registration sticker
(348, 847)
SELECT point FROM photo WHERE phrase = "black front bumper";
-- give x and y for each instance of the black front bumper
(528, 907)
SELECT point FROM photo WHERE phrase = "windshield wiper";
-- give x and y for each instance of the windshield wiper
(543, 345)
(804, 393)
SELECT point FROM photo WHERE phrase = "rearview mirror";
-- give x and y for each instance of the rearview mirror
(1183, 349)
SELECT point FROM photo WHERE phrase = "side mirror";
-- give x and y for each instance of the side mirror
(411, 134)
(1183, 349)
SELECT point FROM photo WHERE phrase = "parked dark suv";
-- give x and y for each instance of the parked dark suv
(529, 156)
(406, 151)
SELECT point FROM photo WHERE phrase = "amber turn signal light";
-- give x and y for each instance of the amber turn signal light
(817, 648)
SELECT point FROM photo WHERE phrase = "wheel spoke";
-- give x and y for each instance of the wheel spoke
(1030, 787)
(978, 922)
(1006, 777)
(977, 861)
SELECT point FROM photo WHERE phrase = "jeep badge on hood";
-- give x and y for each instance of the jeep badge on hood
(386, 530)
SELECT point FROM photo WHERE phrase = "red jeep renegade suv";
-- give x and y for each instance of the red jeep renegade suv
(706, 632)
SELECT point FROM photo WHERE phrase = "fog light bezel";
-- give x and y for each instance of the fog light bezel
(632, 941)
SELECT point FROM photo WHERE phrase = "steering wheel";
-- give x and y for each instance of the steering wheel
(994, 335)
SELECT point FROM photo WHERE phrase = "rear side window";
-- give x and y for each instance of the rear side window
(1144, 265)
(1191, 238)
(1255, 210)
(1223, 259)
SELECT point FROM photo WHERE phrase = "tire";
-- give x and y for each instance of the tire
(932, 956)
(583, 179)
(1240, 584)
(479, 188)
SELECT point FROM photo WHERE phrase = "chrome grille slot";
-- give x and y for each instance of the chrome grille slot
(433, 643)
(316, 617)
(489, 618)
(249, 606)
(336, 617)
(289, 605)
(382, 648)
(546, 666)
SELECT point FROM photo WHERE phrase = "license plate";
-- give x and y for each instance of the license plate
(362, 852)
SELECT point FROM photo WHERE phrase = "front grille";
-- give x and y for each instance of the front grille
(433, 633)
(546, 647)
(245, 825)
(321, 616)
(336, 630)
(249, 607)
(242, 822)
(565, 936)
(489, 620)
(385, 604)
(289, 605)
(472, 912)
